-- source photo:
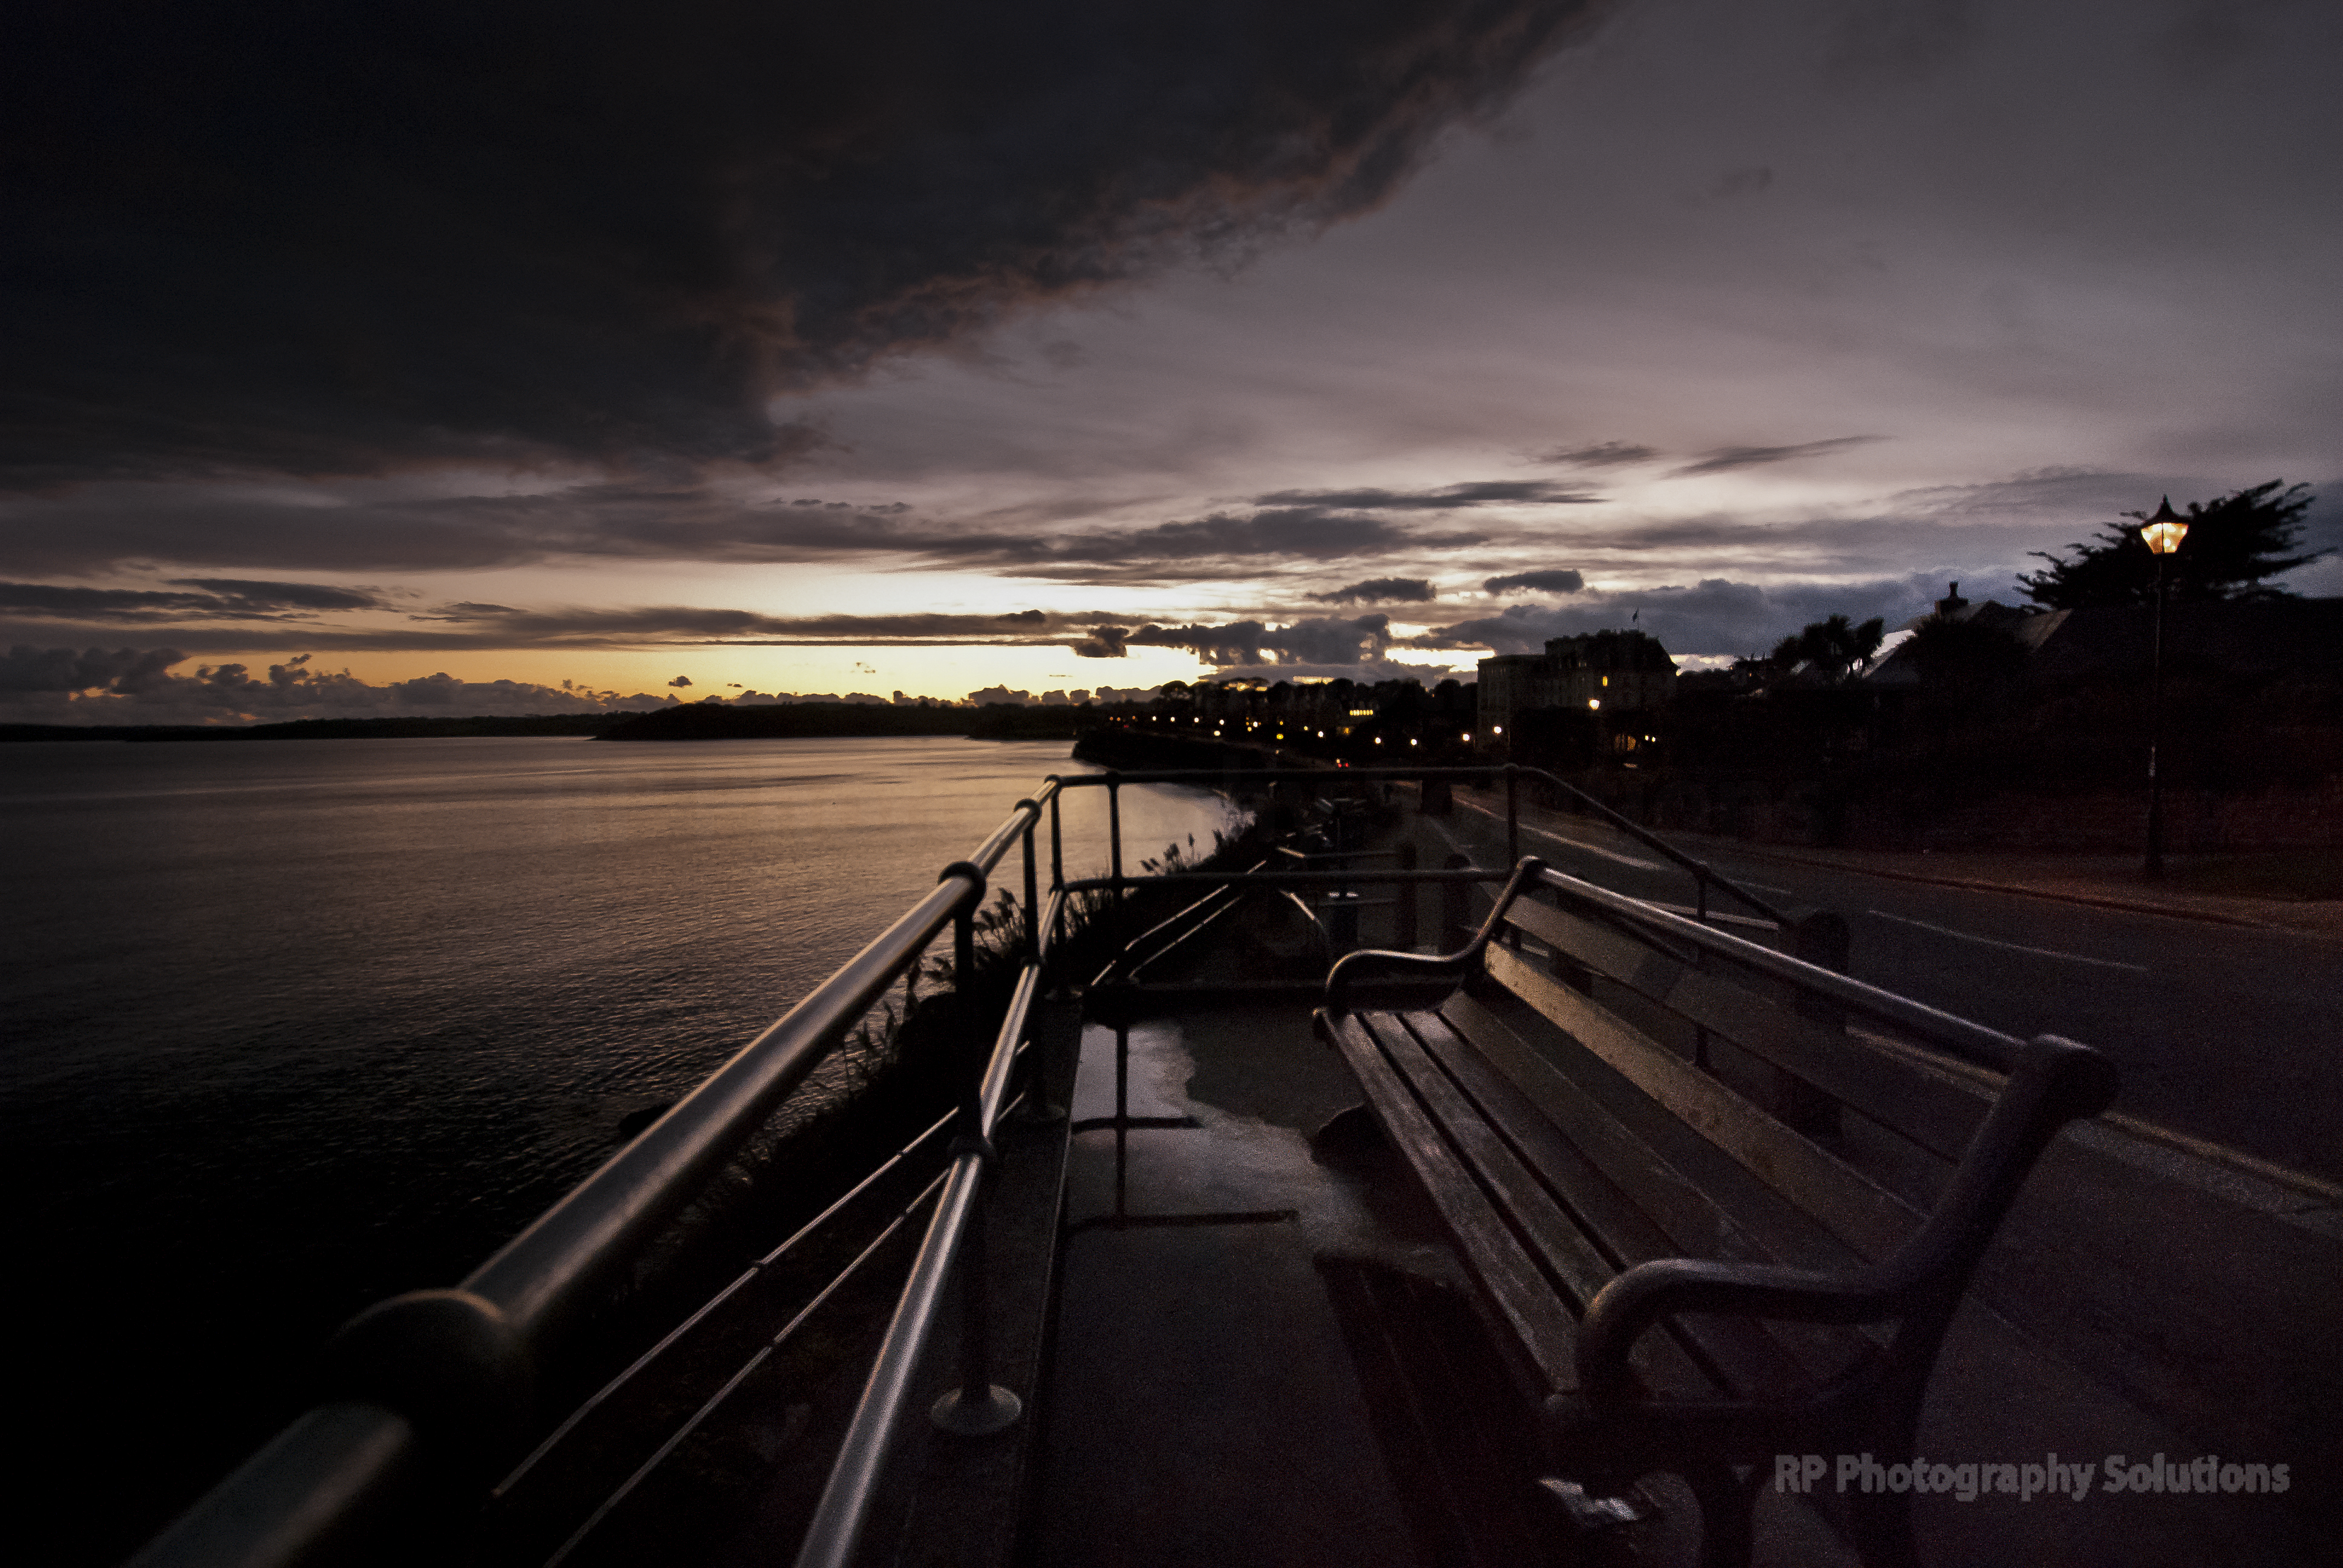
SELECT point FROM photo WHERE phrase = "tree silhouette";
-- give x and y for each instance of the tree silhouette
(2235, 544)
(1832, 648)
(1968, 658)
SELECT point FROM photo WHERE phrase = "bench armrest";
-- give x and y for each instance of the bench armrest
(1353, 968)
(1663, 1287)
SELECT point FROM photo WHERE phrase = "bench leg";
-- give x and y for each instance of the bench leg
(1882, 1528)
(1725, 1503)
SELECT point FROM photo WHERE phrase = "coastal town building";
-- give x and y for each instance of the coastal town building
(1590, 672)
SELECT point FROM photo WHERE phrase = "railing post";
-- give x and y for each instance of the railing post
(1057, 845)
(1513, 815)
(1455, 907)
(1820, 937)
(1057, 868)
(1404, 935)
(1114, 842)
(963, 924)
(978, 1407)
(1033, 904)
(964, 949)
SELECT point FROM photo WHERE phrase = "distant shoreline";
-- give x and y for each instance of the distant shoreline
(684, 722)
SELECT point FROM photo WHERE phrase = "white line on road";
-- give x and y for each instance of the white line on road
(2013, 947)
(1641, 865)
(1585, 847)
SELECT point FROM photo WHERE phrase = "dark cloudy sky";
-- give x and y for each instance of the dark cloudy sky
(471, 349)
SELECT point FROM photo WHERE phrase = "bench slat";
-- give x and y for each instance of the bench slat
(1743, 1355)
(1513, 1283)
(1939, 1116)
(1728, 1224)
(1681, 1218)
(1542, 1225)
(1859, 1212)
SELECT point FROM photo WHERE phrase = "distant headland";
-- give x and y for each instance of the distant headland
(684, 722)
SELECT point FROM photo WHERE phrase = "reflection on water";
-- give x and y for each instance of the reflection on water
(295, 1024)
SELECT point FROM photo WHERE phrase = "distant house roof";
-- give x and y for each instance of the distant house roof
(2251, 637)
(2030, 627)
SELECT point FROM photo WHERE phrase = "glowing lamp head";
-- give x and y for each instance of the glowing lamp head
(2163, 532)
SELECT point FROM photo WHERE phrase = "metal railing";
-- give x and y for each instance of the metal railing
(429, 1394)
(1705, 876)
(436, 1383)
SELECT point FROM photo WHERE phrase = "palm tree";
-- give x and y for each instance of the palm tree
(1834, 647)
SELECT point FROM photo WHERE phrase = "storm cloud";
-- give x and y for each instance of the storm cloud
(1561, 581)
(1315, 641)
(1725, 459)
(1715, 615)
(1602, 455)
(224, 599)
(123, 673)
(1474, 493)
(1381, 590)
(102, 529)
(326, 240)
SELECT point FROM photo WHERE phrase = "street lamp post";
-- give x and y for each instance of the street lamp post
(2162, 535)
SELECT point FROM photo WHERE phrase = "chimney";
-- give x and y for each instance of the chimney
(1951, 601)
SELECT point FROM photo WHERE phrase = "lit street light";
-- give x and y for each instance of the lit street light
(2162, 535)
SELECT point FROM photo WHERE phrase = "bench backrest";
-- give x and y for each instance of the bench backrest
(1852, 1104)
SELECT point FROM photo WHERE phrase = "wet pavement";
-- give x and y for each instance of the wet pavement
(1203, 1407)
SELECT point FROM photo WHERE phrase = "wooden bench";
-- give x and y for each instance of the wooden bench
(1720, 1205)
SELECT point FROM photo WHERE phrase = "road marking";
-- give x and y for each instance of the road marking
(1585, 848)
(1641, 865)
(2013, 947)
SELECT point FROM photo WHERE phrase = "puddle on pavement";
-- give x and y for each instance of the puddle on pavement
(1214, 1161)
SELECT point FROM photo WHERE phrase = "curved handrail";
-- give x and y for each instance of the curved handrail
(1701, 869)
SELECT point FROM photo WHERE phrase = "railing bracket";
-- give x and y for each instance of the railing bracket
(996, 1409)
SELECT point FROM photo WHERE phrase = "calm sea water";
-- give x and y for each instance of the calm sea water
(292, 1025)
